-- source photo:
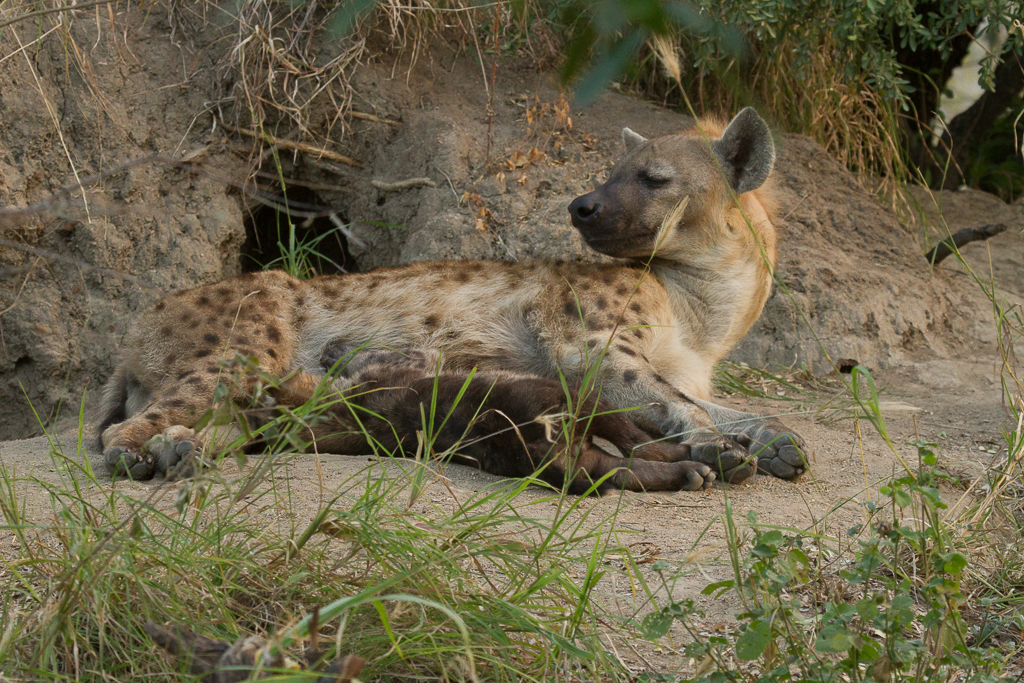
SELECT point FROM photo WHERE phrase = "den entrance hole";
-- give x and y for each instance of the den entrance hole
(315, 244)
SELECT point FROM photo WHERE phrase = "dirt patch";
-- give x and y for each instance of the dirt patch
(846, 472)
(70, 108)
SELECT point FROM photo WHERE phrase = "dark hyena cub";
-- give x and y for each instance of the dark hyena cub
(507, 425)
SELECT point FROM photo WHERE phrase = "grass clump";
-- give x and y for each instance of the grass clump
(477, 589)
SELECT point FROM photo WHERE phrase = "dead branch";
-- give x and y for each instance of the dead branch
(403, 184)
(221, 662)
(54, 10)
(961, 238)
(371, 117)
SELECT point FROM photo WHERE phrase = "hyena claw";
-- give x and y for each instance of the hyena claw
(134, 465)
(175, 451)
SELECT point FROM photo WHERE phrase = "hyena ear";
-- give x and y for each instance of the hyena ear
(746, 151)
(632, 140)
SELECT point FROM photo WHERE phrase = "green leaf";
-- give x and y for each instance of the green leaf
(655, 625)
(834, 638)
(955, 563)
(754, 641)
(718, 586)
(867, 608)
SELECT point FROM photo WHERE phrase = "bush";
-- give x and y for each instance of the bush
(864, 78)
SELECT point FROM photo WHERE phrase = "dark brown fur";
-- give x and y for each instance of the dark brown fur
(505, 425)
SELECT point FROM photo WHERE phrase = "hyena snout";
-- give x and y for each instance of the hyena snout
(585, 209)
(605, 222)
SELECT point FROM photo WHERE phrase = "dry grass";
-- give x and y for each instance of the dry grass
(814, 98)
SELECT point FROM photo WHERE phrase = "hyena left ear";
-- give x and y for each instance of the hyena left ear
(632, 140)
(746, 151)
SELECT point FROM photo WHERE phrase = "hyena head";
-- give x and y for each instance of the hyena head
(707, 165)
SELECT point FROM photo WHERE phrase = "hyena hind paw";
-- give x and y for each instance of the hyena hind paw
(123, 462)
(173, 454)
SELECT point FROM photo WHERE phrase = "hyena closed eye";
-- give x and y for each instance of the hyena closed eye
(659, 332)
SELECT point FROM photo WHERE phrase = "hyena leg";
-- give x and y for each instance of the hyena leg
(654, 404)
(668, 412)
(649, 465)
(780, 451)
(729, 458)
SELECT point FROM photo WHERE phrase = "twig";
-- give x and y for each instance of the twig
(371, 117)
(298, 146)
(490, 100)
(961, 238)
(403, 184)
(449, 179)
(54, 10)
(344, 229)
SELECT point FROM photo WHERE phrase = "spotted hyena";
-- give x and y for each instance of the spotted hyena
(690, 217)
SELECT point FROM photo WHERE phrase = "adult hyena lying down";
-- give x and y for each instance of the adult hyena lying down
(664, 330)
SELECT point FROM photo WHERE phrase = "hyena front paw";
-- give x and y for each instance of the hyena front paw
(124, 462)
(177, 451)
(779, 452)
(172, 454)
(731, 461)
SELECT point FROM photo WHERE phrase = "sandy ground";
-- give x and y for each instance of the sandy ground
(663, 525)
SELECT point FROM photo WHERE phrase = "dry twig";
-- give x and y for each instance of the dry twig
(403, 184)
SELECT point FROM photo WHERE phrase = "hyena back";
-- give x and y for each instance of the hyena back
(683, 296)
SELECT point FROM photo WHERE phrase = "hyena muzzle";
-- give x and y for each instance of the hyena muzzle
(690, 217)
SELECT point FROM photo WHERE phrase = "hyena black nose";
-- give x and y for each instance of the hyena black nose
(584, 209)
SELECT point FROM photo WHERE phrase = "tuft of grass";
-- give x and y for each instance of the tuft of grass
(404, 587)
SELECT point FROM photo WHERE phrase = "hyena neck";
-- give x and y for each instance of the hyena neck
(718, 299)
